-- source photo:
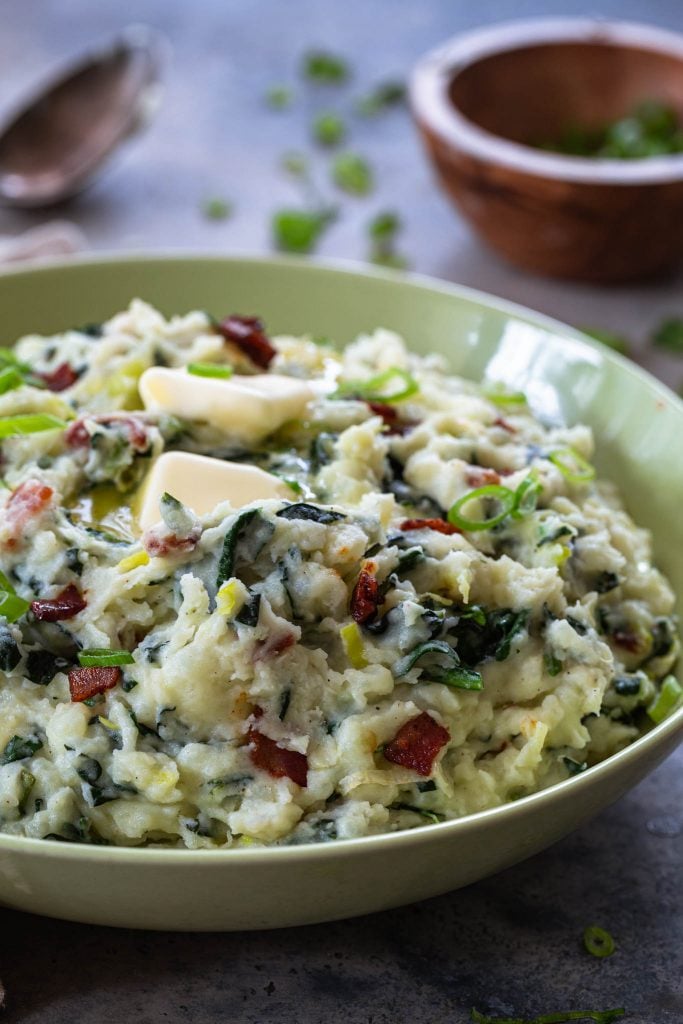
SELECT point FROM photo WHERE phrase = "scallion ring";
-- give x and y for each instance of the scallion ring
(667, 700)
(10, 378)
(497, 396)
(572, 466)
(102, 657)
(526, 496)
(219, 370)
(597, 941)
(378, 388)
(505, 498)
(29, 423)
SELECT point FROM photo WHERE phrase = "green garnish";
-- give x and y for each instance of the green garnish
(295, 164)
(18, 748)
(328, 129)
(526, 496)
(300, 230)
(572, 466)
(216, 208)
(497, 394)
(352, 174)
(210, 370)
(669, 334)
(104, 657)
(378, 388)
(503, 496)
(597, 941)
(379, 99)
(617, 342)
(279, 97)
(668, 699)
(598, 1016)
(650, 129)
(11, 605)
(10, 378)
(29, 423)
(383, 230)
(324, 67)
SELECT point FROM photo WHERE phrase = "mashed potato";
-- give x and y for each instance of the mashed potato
(443, 612)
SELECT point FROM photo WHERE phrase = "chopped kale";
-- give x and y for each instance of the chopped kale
(10, 655)
(249, 614)
(314, 514)
(43, 666)
(18, 748)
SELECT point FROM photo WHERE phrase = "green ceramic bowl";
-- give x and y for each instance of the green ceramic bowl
(638, 424)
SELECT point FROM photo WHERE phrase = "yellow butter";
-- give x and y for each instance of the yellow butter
(201, 483)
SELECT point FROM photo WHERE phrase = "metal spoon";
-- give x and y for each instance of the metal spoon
(55, 144)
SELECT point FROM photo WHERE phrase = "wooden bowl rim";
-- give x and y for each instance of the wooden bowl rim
(433, 107)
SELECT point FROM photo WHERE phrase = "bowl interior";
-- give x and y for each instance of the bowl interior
(529, 94)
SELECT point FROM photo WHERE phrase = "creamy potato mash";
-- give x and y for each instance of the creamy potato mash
(423, 605)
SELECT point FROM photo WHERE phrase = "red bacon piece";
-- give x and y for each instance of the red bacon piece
(67, 604)
(87, 682)
(157, 542)
(28, 501)
(480, 476)
(500, 422)
(274, 646)
(440, 525)
(277, 761)
(388, 413)
(417, 743)
(365, 597)
(60, 379)
(248, 333)
(77, 435)
(628, 640)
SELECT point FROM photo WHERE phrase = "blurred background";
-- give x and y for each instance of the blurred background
(214, 166)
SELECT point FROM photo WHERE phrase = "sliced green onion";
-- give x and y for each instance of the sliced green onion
(506, 499)
(526, 496)
(498, 396)
(10, 378)
(104, 657)
(666, 701)
(30, 423)
(377, 389)
(597, 941)
(572, 466)
(210, 370)
(11, 605)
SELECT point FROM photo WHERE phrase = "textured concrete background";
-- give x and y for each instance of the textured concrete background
(511, 944)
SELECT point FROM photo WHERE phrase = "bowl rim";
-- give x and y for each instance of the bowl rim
(658, 735)
(432, 106)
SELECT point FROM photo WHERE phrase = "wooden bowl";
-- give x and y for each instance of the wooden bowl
(484, 96)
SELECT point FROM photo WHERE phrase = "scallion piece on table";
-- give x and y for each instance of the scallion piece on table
(210, 370)
(29, 423)
(598, 1016)
(597, 941)
(504, 498)
(572, 466)
(379, 388)
(11, 605)
(667, 700)
(104, 657)
(352, 174)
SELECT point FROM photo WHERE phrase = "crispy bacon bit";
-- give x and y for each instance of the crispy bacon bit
(480, 476)
(275, 646)
(388, 413)
(417, 743)
(277, 761)
(77, 435)
(28, 501)
(440, 525)
(158, 542)
(60, 379)
(365, 597)
(87, 682)
(500, 422)
(248, 333)
(67, 604)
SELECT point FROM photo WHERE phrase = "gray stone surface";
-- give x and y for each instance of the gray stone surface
(511, 944)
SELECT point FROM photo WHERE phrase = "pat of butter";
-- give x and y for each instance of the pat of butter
(248, 408)
(201, 483)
